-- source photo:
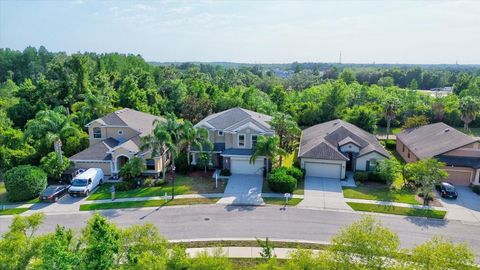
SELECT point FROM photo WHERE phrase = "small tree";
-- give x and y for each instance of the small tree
(390, 107)
(267, 248)
(415, 121)
(24, 182)
(267, 146)
(288, 132)
(132, 169)
(426, 173)
(469, 110)
(52, 167)
(388, 170)
(204, 159)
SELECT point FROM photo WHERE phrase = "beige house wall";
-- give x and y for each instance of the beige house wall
(110, 132)
(403, 151)
(106, 167)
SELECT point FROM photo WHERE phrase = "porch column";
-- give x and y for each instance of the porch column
(194, 159)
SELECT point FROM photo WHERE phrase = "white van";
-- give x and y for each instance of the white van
(85, 182)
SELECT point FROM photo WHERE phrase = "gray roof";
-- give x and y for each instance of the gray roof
(238, 152)
(98, 151)
(473, 162)
(434, 139)
(139, 121)
(217, 147)
(322, 141)
(236, 117)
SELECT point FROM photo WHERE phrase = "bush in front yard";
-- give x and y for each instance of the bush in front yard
(133, 169)
(476, 189)
(292, 171)
(361, 176)
(390, 144)
(225, 172)
(24, 182)
(124, 186)
(280, 181)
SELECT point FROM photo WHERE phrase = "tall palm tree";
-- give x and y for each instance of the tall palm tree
(173, 127)
(469, 110)
(196, 137)
(267, 146)
(159, 142)
(390, 108)
(51, 126)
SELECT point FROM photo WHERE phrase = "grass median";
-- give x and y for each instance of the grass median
(281, 201)
(13, 211)
(149, 203)
(396, 210)
(380, 194)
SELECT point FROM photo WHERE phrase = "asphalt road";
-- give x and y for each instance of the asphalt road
(215, 221)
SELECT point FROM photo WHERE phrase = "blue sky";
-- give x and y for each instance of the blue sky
(251, 31)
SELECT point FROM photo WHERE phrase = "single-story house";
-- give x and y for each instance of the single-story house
(332, 148)
(459, 151)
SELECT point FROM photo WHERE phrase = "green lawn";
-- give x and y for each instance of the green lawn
(281, 201)
(150, 203)
(13, 211)
(395, 210)
(183, 185)
(383, 130)
(298, 191)
(379, 194)
(3, 197)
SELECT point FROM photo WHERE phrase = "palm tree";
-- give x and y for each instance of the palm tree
(469, 110)
(390, 108)
(160, 141)
(51, 126)
(288, 132)
(267, 146)
(197, 137)
(174, 129)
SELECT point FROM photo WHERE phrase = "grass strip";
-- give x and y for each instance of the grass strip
(149, 203)
(248, 243)
(12, 211)
(380, 194)
(396, 210)
(281, 201)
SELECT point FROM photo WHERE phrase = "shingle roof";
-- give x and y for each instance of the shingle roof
(322, 141)
(238, 152)
(97, 151)
(139, 121)
(217, 147)
(236, 117)
(434, 139)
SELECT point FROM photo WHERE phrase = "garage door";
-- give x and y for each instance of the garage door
(243, 166)
(459, 177)
(323, 170)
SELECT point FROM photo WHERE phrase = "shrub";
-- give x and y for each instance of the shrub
(124, 186)
(376, 177)
(295, 173)
(50, 165)
(476, 189)
(159, 182)
(149, 182)
(24, 182)
(361, 176)
(280, 181)
(225, 172)
(390, 144)
(133, 169)
(181, 163)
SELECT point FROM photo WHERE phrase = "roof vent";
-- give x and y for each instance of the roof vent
(446, 130)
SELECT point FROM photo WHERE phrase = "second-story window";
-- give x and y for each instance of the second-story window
(220, 133)
(241, 140)
(97, 133)
(150, 163)
(254, 140)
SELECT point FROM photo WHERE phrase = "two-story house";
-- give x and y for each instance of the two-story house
(234, 133)
(116, 138)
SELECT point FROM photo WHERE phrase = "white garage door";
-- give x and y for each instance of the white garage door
(243, 166)
(323, 170)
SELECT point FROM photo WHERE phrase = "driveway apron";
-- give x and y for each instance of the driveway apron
(323, 193)
(243, 189)
(465, 208)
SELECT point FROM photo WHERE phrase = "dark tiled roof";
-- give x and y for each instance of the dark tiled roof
(97, 151)
(473, 162)
(434, 139)
(238, 152)
(321, 141)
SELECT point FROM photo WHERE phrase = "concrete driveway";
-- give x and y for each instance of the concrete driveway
(243, 189)
(465, 208)
(323, 193)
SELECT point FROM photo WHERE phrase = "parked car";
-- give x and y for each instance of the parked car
(54, 192)
(68, 175)
(447, 190)
(84, 183)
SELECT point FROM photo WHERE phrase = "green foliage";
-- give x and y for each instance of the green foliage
(217, 261)
(287, 131)
(415, 121)
(426, 173)
(267, 146)
(390, 144)
(24, 182)
(204, 159)
(361, 176)
(50, 164)
(280, 181)
(363, 117)
(267, 248)
(388, 170)
(133, 169)
(225, 172)
(124, 186)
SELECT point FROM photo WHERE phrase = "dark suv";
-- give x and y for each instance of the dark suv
(447, 190)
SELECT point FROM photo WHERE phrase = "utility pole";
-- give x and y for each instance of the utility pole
(340, 58)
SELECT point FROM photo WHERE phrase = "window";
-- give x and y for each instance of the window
(372, 164)
(150, 163)
(97, 133)
(254, 140)
(241, 140)
(408, 153)
(403, 148)
(120, 132)
(220, 133)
